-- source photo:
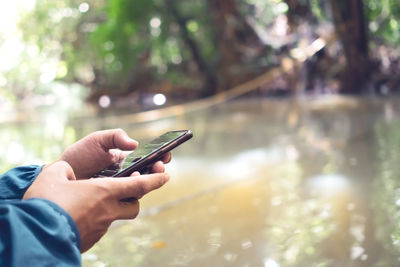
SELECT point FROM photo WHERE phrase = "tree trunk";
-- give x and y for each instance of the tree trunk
(235, 39)
(210, 80)
(350, 27)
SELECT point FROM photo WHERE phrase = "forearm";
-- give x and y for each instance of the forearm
(37, 232)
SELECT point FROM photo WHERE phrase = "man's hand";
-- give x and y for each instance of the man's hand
(100, 150)
(94, 203)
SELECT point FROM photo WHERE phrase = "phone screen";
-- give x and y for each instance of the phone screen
(147, 154)
(146, 149)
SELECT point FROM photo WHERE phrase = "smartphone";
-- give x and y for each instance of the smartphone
(146, 155)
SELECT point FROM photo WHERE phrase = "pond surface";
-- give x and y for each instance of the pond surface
(271, 183)
(262, 183)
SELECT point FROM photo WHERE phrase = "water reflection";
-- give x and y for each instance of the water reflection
(37, 131)
(328, 184)
(273, 184)
(264, 183)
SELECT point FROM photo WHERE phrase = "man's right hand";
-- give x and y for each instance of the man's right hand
(95, 203)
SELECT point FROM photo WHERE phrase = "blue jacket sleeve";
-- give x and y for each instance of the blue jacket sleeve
(37, 232)
(34, 232)
(15, 182)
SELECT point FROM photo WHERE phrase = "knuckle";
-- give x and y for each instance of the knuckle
(118, 131)
(93, 135)
(66, 168)
(65, 165)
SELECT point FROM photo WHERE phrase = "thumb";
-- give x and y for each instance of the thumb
(137, 186)
(115, 138)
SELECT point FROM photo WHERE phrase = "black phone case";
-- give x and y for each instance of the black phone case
(142, 165)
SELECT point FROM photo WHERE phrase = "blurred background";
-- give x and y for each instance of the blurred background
(293, 105)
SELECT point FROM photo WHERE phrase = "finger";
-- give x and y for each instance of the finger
(158, 167)
(128, 209)
(135, 174)
(166, 158)
(138, 186)
(117, 155)
(115, 138)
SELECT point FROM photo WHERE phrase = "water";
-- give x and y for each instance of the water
(271, 183)
(268, 183)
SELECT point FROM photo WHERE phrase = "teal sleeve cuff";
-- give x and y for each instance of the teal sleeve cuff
(15, 182)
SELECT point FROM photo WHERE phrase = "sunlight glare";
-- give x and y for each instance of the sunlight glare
(281, 25)
(271, 263)
(84, 7)
(159, 99)
(11, 49)
(329, 183)
(15, 153)
(104, 101)
(155, 22)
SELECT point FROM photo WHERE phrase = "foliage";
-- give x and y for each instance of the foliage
(115, 43)
(384, 20)
(122, 45)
